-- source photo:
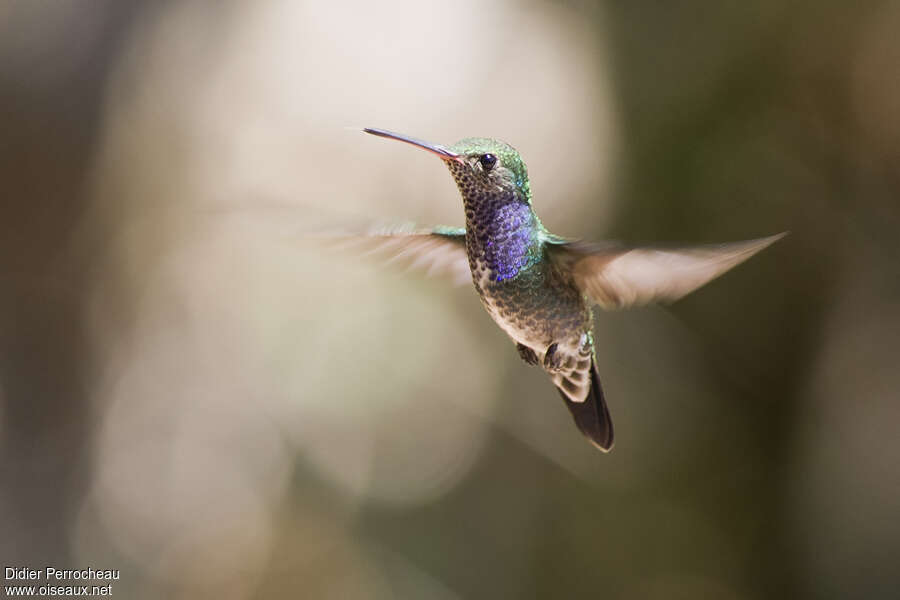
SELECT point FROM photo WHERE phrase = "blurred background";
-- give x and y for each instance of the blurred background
(191, 395)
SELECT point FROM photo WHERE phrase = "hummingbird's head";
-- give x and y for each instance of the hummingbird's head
(487, 166)
(482, 167)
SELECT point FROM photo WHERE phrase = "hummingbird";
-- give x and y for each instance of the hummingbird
(540, 288)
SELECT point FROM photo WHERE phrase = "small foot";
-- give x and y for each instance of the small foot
(552, 361)
(527, 354)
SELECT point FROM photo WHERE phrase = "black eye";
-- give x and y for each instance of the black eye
(488, 161)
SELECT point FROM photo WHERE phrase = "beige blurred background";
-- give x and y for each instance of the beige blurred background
(190, 394)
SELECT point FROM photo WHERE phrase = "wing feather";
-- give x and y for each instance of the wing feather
(616, 277)
(440, 251)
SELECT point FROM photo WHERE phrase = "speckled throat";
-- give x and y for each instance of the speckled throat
(502, 231)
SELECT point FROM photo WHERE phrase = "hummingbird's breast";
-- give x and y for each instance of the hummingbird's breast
(530, 297)
(536, 308)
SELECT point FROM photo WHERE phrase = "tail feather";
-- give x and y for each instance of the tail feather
(592, 416)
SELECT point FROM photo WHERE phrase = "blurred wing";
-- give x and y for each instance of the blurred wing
(439, 251)
(621, 277)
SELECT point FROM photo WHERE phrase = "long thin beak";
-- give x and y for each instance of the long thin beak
(440, 151)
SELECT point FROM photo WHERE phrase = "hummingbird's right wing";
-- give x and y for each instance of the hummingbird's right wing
(615, 277)
(438, 251)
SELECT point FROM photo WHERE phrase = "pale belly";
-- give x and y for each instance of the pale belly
(537, 309)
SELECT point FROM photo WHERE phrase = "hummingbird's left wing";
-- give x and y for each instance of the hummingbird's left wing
(616, 277)
(437, 251)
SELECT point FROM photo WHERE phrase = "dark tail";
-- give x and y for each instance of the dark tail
(592, 415)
